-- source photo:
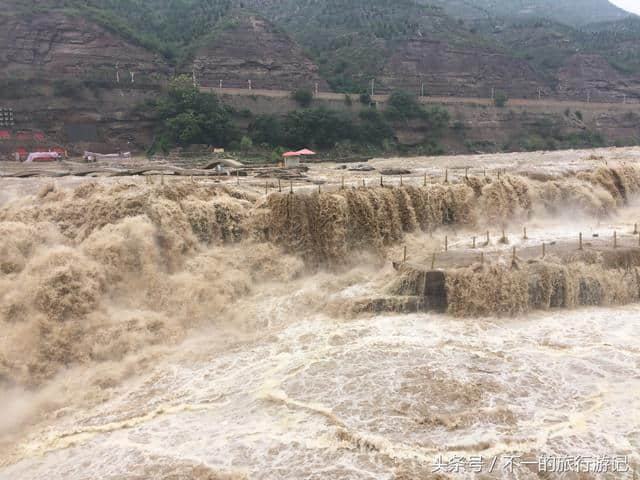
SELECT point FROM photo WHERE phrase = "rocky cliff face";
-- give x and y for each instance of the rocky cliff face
(586, 76)
(64, 46)
(248, 47)
(459, 71)
(76, 81)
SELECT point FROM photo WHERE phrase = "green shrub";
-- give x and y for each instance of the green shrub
(304, 97)
(246, 144)
(500, 99)
(402, 105)
(267, 129)
(365, 98)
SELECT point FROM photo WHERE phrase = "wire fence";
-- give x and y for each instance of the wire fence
(427, 91)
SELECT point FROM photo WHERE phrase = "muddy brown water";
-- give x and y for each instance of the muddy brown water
(189, 330)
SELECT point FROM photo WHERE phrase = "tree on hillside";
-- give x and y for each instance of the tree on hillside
(320, 127)
(192, 117)
(266, 129)
(304, 97)
(403, 106)
(500, 100)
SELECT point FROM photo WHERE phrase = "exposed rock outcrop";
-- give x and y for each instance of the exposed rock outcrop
(70, 46)
(590, 74)
(459, 71)
(248, 47)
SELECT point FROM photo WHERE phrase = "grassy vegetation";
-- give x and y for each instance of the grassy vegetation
(540, 140)
(559, 10)
(320, 128)
(304, 97)
(500, 100)
(351, 40)
(548, 44)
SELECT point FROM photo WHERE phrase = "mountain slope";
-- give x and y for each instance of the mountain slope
(247, 47)
(353, 40)
(396, 42)
(570, 12)
(163, 25)
(65, 46)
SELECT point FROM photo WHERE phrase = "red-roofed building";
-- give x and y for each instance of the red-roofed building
(5, 135)
(38, 136)
(305, 151)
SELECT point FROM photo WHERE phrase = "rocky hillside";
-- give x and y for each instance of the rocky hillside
(83, 79)
(459, 70)
(247, 47)
(571, 12)
(461, 47)
(74, 81)
(81, 69)
(469, 47)
(62, 46)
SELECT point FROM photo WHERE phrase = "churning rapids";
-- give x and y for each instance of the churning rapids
(180, 329)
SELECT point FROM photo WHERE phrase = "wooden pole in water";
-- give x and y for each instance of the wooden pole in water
(433, 261)
(488, 238)
(405, 253)
(580, 247)
(381, 182)
(513, 257)
(364, 183)
(319, 190)
(238, 177)
(425, 180)
(466, 173)
(446, 243)
(342, 182)
(291, 187)
(544, 249)
(446, 176)
(474, 242)
(279, 186)
(400, 180)
(525, 234)
(481, 258)
(635, 229)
